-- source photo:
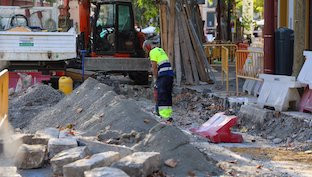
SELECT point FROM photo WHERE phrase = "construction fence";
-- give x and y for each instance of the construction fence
(249, 65)
(214, 52)
(4, 96)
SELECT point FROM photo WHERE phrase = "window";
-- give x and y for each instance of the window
(106, 16)
(124, 19)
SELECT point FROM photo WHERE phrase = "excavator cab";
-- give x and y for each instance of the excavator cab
(113, 29)
(113, 45)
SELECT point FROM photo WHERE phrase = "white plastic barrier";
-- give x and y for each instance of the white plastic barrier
(278, 92)
(305, 75)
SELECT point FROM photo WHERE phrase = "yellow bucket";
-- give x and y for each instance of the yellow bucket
(65, 85)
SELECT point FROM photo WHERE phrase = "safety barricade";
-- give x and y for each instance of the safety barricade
(214, 51)
(4, 96)
(249, 65)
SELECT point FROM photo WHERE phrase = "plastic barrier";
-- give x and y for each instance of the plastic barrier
(214, 51)
(249, 65)
(218, 129)
(4, 95)
(306, 101)
(279, 92)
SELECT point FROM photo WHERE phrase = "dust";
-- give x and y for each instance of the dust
(9, 147)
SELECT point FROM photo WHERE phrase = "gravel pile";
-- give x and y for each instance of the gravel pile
(93, 107)
(25, 106)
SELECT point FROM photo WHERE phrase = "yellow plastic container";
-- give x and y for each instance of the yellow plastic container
(65, 85)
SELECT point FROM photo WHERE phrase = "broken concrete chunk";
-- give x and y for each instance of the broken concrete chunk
(105, 172)
(139, 164)
(98, 147)
(48, 132)
(77, 169)
(30, 156)
(109, 134)
(9, 172)
(277, 140)
(57, 145)
(67, 156)
(40, 140)
(171, 163)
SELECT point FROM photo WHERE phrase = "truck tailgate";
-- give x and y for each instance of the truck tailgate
(37, 46)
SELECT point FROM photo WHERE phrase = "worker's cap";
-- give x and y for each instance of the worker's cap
(149, 45)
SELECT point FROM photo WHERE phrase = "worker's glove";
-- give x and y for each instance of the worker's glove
(155, 83)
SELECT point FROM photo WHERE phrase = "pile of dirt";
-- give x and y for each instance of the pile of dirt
(173, 144)
(25, 106)
(192, 108)
(96, 109)
(289, 127)
(93, 107)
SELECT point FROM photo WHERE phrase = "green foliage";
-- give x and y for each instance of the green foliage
(258, 6)
(145, 10)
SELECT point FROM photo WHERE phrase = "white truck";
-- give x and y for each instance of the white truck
(31, 50)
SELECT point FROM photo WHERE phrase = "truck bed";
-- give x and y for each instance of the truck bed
(37, 46)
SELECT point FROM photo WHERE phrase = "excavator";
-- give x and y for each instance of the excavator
(108, 38)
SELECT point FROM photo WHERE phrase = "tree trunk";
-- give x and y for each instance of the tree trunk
(299, 30)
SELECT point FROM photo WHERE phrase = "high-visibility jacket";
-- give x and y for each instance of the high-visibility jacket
(161, 58)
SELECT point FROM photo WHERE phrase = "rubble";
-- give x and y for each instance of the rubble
(105, 172)
(99, 147)
(101, 108)
(172, 143)
(139, 164)
(67, 156)
(30, 156)
(57, 145)
(24, 107)
(77, 168)
(276, 125)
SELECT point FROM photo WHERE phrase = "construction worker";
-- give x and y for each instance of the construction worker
(162, 79)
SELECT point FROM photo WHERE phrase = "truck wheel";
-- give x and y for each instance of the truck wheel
(140, 78)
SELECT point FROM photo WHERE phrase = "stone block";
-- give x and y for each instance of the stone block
(57, 145)
(139, 164)
(30, 156)
(9, 172)
(98, 147)
(67, 156)
(105, 172)
(77, 169)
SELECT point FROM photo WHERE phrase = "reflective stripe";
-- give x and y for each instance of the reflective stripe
(162, 62)
(164, 69)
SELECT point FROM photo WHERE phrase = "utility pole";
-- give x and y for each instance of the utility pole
(268, 34)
